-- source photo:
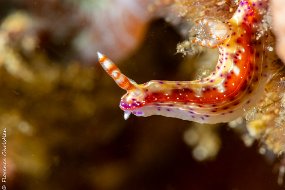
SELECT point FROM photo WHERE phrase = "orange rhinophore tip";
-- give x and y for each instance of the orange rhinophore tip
(112, 70)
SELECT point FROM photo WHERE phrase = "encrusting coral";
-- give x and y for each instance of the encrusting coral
(265, 121)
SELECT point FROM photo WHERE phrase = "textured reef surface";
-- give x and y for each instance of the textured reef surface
(60, 123)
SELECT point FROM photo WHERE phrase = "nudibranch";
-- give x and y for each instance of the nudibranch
(236, 84)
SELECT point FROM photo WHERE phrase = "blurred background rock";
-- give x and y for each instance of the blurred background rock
(64, 127)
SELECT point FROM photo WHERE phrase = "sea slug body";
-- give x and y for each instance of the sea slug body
(236, 84)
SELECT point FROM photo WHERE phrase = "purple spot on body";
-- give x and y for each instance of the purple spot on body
(225, 108)
(125, 105)
(236, 103)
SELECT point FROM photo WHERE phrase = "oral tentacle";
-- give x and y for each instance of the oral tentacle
(127, 114)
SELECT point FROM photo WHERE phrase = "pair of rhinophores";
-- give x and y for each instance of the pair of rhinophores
(236, 84)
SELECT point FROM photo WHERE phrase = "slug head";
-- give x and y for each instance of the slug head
(133, 100)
